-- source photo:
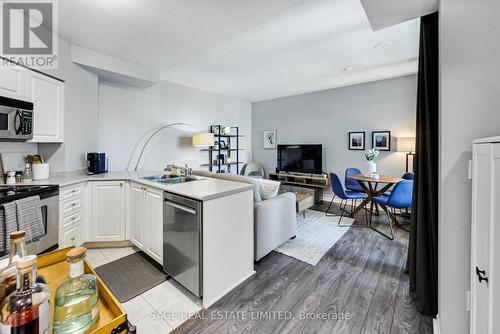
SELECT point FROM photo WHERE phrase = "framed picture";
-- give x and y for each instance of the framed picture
(270, 139)
(357, 141)
(381, 140)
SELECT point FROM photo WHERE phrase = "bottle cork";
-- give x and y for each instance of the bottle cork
(76, 253)
(17, 236)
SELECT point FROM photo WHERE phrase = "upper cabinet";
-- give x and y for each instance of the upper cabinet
(47, 96)
(13, 82)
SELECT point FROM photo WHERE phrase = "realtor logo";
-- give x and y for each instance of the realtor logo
(29, 32)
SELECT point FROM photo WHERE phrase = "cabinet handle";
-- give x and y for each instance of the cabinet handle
(73, 191)
(73, 218)
(121, 184)
(481, 275)
(73, 204)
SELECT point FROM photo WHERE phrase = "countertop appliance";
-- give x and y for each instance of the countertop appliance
(49, 196)
(182, 241)
(97, 163)
(16, 119)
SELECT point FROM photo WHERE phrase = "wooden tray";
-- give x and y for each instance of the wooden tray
(54, 268)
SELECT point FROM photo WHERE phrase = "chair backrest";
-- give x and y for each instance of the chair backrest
(351, 184)
(252, 169)
(337, 187)
(408, 176)
(401, 195)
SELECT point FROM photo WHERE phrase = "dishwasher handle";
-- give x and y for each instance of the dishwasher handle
(180, 207)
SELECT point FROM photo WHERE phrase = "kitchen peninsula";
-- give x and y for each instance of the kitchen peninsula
(124, 207)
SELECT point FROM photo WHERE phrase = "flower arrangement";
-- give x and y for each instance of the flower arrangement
(371, 154)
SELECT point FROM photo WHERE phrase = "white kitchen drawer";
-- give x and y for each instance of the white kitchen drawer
(70, 206)
(70, 236)
(70, 219)
(70, 192)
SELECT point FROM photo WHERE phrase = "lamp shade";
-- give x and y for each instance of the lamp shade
(406, 144)
(202, 139)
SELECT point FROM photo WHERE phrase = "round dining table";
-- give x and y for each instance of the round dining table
(370, 187)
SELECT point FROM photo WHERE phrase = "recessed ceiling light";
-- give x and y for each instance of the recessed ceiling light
(347, 69)
(383, 45)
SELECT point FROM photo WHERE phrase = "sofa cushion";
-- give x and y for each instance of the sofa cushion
(268, 189)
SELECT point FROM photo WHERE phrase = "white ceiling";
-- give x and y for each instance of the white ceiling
(251, 49)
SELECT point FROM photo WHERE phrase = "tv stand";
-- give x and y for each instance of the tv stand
(310, 181)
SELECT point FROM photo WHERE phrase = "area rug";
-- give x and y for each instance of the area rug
(316, 234)
(131, 275)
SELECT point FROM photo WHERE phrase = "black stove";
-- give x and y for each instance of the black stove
(10, 193)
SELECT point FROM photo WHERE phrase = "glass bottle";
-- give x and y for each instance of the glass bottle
(76, 306)
(27, 173)
(8, 274)
(26, 310)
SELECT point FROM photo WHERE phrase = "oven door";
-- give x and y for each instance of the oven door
(50, 215)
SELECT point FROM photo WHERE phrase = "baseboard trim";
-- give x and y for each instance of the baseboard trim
(435, 325)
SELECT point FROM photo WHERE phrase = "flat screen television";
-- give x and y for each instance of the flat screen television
(307, 159)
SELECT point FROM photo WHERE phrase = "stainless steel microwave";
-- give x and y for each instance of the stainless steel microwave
(16, 120)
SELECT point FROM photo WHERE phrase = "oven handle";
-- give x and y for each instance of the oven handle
(180, 207)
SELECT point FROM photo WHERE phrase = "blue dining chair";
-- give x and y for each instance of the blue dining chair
(351, 184)
(406, 176)
(344, 195)
(400, 198)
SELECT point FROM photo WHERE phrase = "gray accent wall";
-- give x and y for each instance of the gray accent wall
(326, 117)
(470, 109)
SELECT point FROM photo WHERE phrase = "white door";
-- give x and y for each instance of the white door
(47, 96)
(108, 211)
(154, 224)
(485, 244)
(137, 228)
(13, 82)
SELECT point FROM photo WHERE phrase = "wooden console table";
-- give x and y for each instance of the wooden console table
(316, 182)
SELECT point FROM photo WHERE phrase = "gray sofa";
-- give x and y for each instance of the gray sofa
(274, 219)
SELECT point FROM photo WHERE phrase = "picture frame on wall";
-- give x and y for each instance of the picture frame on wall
(381, 140)
(357, 141)
(270, 139)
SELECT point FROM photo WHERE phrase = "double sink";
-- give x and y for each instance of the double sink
(169, 179)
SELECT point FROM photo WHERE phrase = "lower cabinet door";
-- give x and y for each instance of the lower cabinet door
(108, 211)
(137, 228)
(70, 236)
(154, 224)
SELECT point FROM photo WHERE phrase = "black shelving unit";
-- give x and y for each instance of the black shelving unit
(229, 139)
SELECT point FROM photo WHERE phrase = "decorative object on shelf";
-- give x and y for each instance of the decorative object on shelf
(185, 127)
(357, 141)
(381, 140)
(371, 166)
(203, 139)
(227, 141)
(270, 139)
(407, 144)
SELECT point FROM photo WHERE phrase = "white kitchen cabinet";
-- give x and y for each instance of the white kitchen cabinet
(71, 236)
(13, 82)
(154, 224)
(47, 95)
(137, 227)
(485, 242)
(146, 220)
(108, 203)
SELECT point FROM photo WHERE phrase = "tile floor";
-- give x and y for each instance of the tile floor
(158, 310)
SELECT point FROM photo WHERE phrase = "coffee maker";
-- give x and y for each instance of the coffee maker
(97, 163)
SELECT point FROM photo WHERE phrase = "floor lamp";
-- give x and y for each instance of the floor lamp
(406, 144)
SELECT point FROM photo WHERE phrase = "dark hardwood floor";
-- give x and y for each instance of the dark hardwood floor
(359, 284)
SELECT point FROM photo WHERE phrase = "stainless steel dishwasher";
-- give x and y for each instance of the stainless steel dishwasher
(182, 241)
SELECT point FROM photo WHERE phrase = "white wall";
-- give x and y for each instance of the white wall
(470, 108)
(127, 114)
(326, 117)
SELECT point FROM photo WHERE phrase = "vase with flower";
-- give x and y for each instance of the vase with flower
(371, 166)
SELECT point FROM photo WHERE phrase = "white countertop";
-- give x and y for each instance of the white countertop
(203, 189)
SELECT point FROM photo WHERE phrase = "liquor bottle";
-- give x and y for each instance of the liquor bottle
(76, 306)
(26, 310)
(8, 274)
